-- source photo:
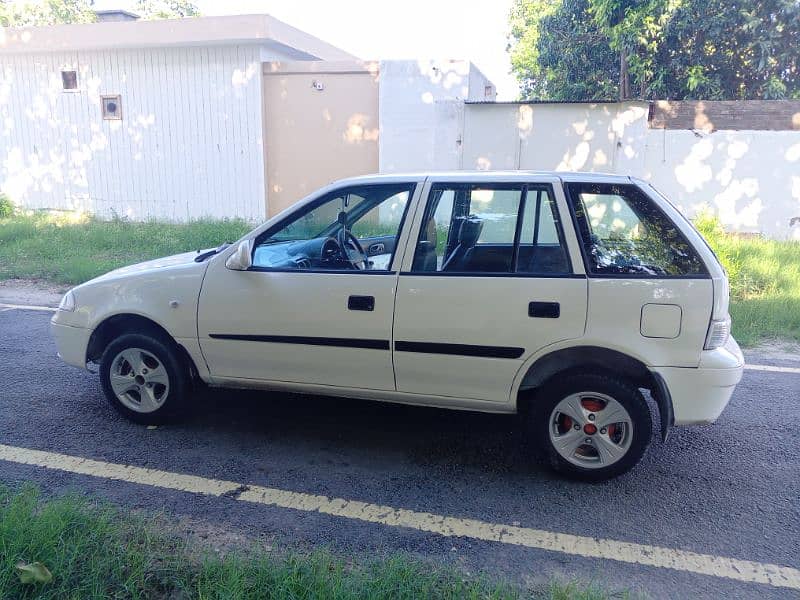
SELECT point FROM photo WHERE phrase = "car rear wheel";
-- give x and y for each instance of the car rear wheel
(592, 426)
(143, 378)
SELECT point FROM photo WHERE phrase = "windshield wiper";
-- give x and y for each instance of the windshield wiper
(209, 253)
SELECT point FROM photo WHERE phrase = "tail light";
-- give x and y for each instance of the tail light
(718, 333)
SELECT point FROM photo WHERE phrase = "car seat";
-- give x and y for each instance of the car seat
(468, 233)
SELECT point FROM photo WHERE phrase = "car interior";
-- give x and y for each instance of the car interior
(352, 230)
(456, 247)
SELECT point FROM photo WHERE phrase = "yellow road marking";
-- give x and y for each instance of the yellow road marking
(643, 554)
(96, 468)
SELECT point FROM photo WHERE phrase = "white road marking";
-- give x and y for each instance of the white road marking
(772, 368)
(5, 306)
(643, 554)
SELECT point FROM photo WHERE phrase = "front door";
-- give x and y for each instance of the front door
(490, 281)
(316, 307)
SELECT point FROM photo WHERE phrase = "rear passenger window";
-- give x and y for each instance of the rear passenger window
(492, 228)
(625, 233)
(541, 245)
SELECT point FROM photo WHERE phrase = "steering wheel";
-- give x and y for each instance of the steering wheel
(351, 249)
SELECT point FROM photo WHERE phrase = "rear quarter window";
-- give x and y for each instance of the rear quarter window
(625, 233)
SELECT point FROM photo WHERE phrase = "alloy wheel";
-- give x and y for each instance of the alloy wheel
(590, 430)
(139, 380)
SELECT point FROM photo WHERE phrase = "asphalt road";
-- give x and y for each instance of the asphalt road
(731, 489)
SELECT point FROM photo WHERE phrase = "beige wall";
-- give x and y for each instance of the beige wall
(320, 124)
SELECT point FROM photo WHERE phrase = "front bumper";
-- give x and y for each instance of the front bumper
(699, 395)
(71, 343)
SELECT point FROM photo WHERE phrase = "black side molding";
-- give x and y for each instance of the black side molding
(306, 340)
(544, 310)
(420, 347)
(460, 349)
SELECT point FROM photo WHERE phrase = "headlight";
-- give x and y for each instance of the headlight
(718, 333)
(67, 302)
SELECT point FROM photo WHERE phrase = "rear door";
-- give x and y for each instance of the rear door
(491, 275)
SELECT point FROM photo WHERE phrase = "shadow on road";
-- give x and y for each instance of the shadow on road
(424, 435)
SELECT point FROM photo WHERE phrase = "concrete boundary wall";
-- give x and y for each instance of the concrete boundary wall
(750, 178)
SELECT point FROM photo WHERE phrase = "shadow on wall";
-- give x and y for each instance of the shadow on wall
(749, 178)
(551, 136)
(58, 151)
(422, 112)
(358, 126)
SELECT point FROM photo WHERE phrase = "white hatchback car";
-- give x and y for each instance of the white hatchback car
(560, 296)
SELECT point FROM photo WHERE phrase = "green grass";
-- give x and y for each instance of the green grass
(69, 250)
(765, 283)
(94, 550)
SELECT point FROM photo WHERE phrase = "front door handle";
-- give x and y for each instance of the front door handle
(361, 303)
(377, 248)
(544, 310)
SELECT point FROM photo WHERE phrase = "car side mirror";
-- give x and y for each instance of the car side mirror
(242, 257)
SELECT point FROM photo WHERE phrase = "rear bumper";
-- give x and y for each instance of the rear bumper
(71, 343)
(700, 395)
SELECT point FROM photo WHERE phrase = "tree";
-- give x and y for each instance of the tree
(562, 55)
(166, 9)
(45, 12)
(58, 12)
(679, 49)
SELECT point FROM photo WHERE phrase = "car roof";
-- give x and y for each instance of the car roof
(565, 176)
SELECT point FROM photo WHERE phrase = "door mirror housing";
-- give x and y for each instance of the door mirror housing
(242, 257)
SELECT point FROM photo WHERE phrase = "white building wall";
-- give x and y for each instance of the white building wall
(421, 106)
(189, 144)
(751, 179)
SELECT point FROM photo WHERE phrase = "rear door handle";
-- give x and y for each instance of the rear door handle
(361, 303)
(544, 310)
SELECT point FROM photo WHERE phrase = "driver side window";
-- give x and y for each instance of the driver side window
(353, 228)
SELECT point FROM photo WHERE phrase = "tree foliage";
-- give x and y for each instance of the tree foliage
(678, 49)
(166, 9)
(15, 13)
(44, 12)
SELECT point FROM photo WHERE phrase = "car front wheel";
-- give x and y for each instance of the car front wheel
(143, 378)
(592, 426)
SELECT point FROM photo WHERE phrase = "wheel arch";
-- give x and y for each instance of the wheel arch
(596, 358)
(119, 324)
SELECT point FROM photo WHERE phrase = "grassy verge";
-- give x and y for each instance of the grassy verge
(765, 283)
(95, 551)
(764, 274)
(66, 249)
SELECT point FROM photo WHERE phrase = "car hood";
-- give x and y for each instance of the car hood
(175, 260)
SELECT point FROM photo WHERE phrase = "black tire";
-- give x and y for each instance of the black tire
(619, 389)
(173, 402)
